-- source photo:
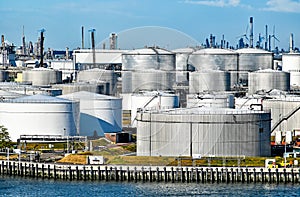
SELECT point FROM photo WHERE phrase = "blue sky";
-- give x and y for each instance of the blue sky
(167, 23)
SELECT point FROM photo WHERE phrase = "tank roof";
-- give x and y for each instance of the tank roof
(269, 71)
(184, 50)
(149, 51)
(215, 51)
(38, 98)
(253, 50)
(88, 96)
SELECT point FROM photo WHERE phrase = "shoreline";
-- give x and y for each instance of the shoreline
(145, 173)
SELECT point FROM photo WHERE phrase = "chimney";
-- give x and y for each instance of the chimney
(2, 40)
(82, 37)
(211, 41)
(291, 43)
(251, 32)
(266, 38)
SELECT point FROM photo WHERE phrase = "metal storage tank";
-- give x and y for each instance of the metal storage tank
(215, 59)
(221, 100)
(251, 59)
(4, 76)
(151, 58)
(238, 78)
(281, 108)
(42, 76)
(134, 81)
(145, 100)
(97, 87)
(182, 57)
(209, 80)
(96, 74)
(291, 63)
(267, 80)
(39, 115)
(99, 113)
(204, 131)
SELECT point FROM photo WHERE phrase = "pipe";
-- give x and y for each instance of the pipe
(42, 48)
(251, 32)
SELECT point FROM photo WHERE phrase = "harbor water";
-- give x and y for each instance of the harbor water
(18, 186)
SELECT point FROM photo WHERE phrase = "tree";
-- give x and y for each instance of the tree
(5, 141)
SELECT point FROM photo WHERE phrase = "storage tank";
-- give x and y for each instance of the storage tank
(42, 76)
(267, 80)
(96, 74)
(151, 58)
(215, 59)
(39, 115)
(291, 63)
(145, 100)
(251, 59)
(95, 87)
(148, 80)
(221, 100)
(182, 57)
(209, 80)
(286, 107)
(4, 75)
(204, 131)
(99, 113)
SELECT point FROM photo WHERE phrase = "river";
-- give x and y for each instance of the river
(17, 186)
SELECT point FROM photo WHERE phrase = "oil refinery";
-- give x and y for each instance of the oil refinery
(208, 100)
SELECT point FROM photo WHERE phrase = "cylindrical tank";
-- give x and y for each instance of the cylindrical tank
(182, 57)
(214, 58)
(151, 58)
(42, 76)
(251, 59)
(287, 108)
(134, 81)
(97, 87)
(278, 137)
(266, 80)
(39, 115)
(210, 100)
(288, 137)
(204, 131)
(96, 74)
(295, 79)
(4, 76)
(99, 113)
(291, 62)
(209, 80)
(146, 100)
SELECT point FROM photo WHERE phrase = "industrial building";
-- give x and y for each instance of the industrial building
(203, 131)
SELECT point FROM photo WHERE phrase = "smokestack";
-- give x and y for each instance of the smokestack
(210, 41)
(113, 41)
(67, 53)
(270, 43)
(2, 40)
(266, 38)
(82, 37)
(93, 46)
(291, 43)
(42, 48)
(24, 44)
(251, 32)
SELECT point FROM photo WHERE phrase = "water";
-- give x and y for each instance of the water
(15, 186)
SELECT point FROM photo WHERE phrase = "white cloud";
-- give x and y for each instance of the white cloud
(283, 6)
(215, 3)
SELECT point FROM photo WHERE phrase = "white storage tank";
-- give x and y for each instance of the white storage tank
(286, 107)
(42, 76)
(95, 87)
(96, 74)
(209, 80)
(291, 63)
(204, 131)
(146, 100)
(221, 100)
(251, 59)
(99, 113)
(151, 58)
(266, 80)
(215, 59)
(39, 115)
(182, 57)
(134, 81)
